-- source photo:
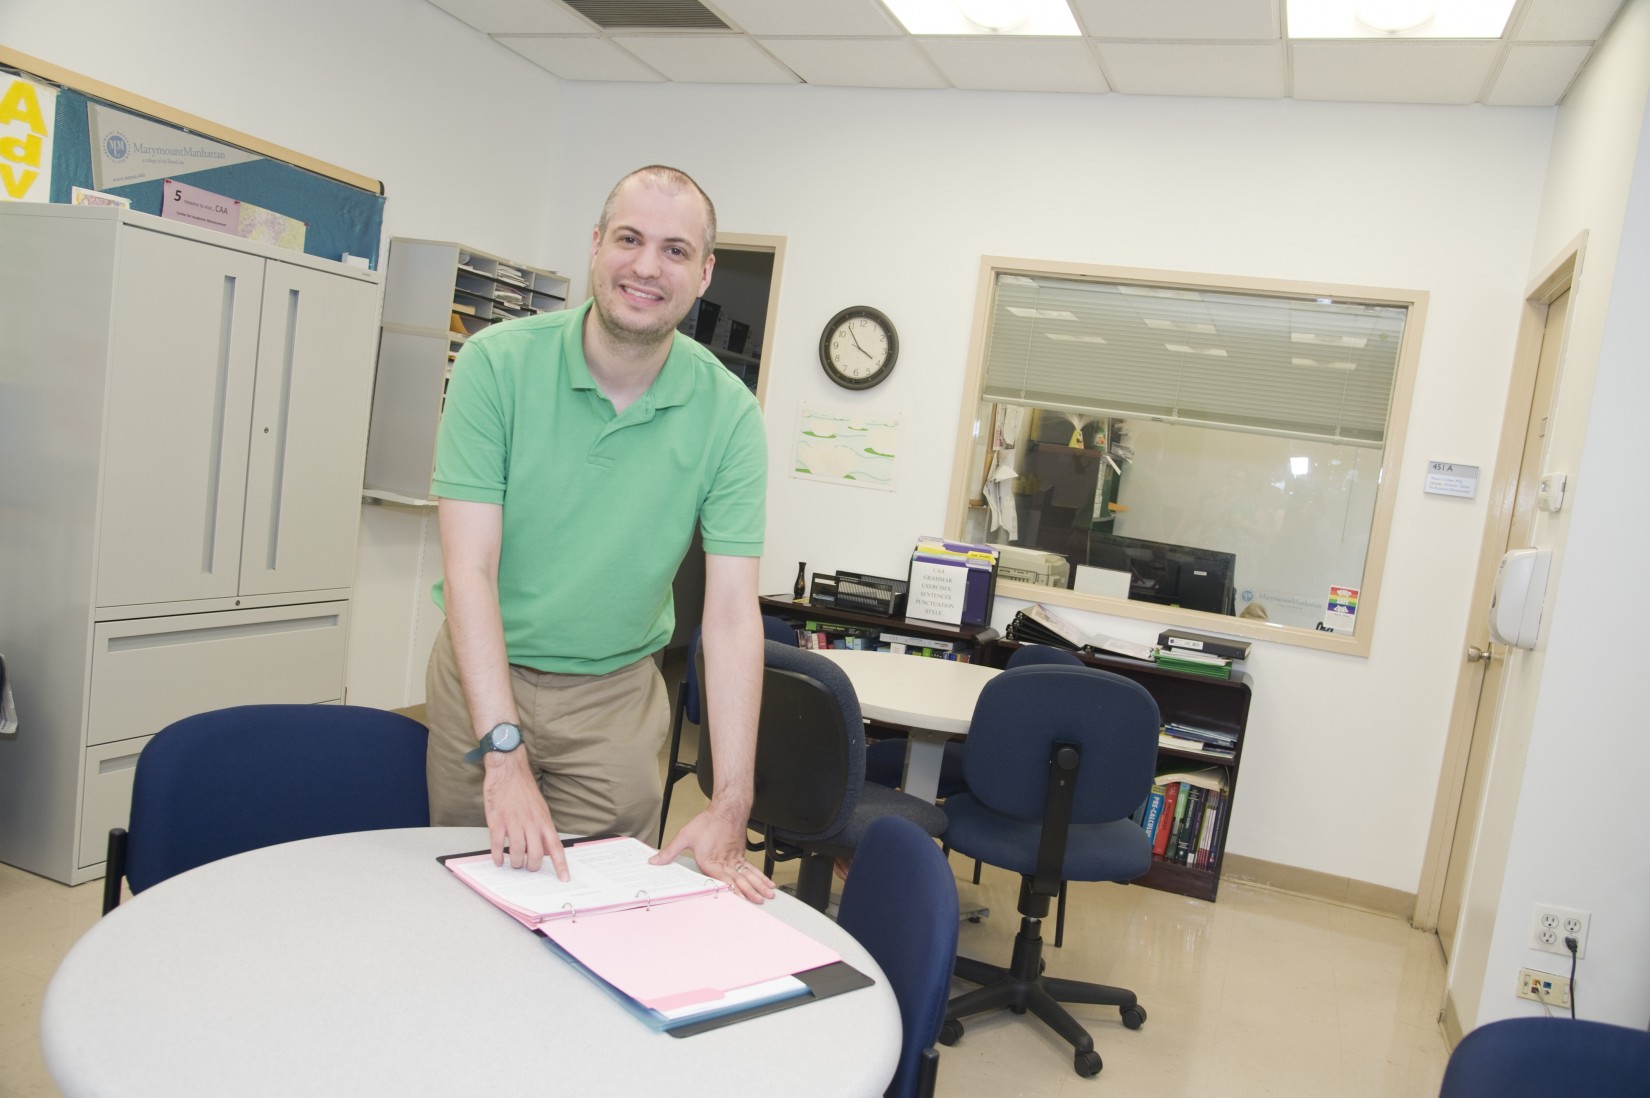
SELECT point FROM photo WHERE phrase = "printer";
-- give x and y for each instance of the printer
(1017, 562)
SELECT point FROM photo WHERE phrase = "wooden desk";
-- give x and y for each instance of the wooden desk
(355, 964)
(934, 698)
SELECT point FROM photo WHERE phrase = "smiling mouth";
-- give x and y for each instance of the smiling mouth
(637, 294)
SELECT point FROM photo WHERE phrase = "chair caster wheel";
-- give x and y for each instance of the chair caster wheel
(1134, 1017)
(950, 1033)
(1087, 1063)
(974, 919)
(1042, 966)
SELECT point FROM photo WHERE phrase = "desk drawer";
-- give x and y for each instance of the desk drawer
(108, 799)
(150, 672)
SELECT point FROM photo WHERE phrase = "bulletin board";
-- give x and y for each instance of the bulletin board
(112, 141)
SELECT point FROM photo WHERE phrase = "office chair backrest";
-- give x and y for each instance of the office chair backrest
(1024, 712)
(810, 746)
(1029, 654)
(900, 903)
(1537, 1057)
(232, 780)
(774, 629)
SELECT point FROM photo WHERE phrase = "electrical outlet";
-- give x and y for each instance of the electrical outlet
(1553, 924)
(1544, 987)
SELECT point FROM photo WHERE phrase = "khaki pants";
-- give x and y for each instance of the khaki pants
(593, 742)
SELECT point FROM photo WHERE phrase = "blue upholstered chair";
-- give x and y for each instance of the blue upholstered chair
(885, 761)
(233, 780)
(1058, 757)
(812, 801)
(687, 706)
(1540, 1057)
(900, 903)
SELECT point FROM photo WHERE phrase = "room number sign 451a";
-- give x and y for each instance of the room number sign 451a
(858, 347)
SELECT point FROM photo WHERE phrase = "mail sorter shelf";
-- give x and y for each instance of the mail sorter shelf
(436, 295)
(971, 641)
(1220, 705)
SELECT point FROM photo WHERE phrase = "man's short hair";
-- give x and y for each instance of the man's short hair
(672, 181)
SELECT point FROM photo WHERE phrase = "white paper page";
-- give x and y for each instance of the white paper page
(602, 873)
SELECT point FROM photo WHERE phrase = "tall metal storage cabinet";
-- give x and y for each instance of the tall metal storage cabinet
(183, 420)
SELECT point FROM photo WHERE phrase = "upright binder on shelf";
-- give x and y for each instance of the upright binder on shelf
(676, 948)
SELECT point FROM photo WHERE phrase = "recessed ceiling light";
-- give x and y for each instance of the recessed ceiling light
(1021, 17)
(1398, 18)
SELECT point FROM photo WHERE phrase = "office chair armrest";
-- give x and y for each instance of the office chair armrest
(1051, 846)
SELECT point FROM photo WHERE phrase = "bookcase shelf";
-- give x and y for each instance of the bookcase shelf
(1221, 705)
(430, 286)
(973, 640)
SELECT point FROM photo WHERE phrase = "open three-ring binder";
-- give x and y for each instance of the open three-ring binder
(673, 946)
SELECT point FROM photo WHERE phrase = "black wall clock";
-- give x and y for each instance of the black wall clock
(858, 347)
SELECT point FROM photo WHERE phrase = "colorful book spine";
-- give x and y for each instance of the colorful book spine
(1165, 823)
(1154, 810)
(1211, 812)
(1186, 840)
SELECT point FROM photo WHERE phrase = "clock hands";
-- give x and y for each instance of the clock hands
(857, 347)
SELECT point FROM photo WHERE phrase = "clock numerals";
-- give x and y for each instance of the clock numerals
(859, 347)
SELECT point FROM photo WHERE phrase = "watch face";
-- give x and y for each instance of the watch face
(505, 737)
(858, 347)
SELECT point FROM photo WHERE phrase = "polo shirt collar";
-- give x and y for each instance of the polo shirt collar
(673, 386)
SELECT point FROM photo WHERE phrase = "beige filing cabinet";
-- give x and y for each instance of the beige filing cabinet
(436, 295)
(182, 431)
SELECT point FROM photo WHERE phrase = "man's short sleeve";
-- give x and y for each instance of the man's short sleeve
(473, 444)
(734, 516)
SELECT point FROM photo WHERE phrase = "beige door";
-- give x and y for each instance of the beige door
(1484, 663)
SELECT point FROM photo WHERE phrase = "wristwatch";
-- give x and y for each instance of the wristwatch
(503, 737)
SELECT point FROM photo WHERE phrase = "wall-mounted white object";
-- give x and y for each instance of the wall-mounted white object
(1520, 591)
(1549, 493)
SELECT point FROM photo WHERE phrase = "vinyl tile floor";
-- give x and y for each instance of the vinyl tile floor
(1261, 993)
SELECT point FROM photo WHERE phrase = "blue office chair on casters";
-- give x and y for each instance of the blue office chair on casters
(900, 903)
(1539, 1057)
(1058, 757)
(812, 801)
(688, 705)
(233, 780)
(885, 761)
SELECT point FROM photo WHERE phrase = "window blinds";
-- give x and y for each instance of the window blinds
(1310, 368)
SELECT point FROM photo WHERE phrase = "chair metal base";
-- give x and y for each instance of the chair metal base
(1022, 987)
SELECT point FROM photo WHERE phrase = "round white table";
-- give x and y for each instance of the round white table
(356, 964)
(933, 697)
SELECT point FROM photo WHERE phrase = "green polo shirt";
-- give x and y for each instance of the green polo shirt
(599, 508)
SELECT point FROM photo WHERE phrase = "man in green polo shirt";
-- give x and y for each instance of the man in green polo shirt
(577, 450)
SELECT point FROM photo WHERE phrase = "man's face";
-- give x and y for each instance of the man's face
(649, 264)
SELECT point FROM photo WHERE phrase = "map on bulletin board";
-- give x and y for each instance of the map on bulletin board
(859, 451)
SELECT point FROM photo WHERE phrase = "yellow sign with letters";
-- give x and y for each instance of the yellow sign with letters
(26, 122)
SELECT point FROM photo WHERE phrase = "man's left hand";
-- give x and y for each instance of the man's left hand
(717, 838)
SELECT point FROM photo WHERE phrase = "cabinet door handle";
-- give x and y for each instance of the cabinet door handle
(214, 460)
(282, 416)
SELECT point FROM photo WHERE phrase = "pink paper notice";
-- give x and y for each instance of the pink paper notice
(690, 951)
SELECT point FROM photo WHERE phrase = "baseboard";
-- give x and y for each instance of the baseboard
(1450, 1020)
(1319, 886)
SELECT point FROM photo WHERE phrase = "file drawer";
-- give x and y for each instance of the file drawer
(150, 672)
(108, 795)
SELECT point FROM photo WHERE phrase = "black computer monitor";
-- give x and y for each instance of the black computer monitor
(1169, 575)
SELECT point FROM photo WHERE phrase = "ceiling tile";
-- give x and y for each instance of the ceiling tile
(1565, 20)
(707, 58)
(1393, 71)
(1248, 72)
(1198, 20)
(836, 18)
(580, 58)
(1536, 76)
(857, 62)
(1016, 64)
(518, 16)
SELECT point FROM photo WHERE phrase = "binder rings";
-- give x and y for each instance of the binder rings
(683, 956)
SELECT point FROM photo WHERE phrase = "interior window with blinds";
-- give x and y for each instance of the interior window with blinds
(1217, 449)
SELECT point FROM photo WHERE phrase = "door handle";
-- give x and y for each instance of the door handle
(1476, 654)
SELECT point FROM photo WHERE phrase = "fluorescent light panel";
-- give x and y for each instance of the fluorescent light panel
(1045, 18)
(1453, 19)
(1042, 314)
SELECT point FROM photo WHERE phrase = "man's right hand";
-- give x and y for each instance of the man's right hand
(517, 816)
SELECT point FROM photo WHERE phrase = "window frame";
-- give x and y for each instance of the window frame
(1358, 642)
